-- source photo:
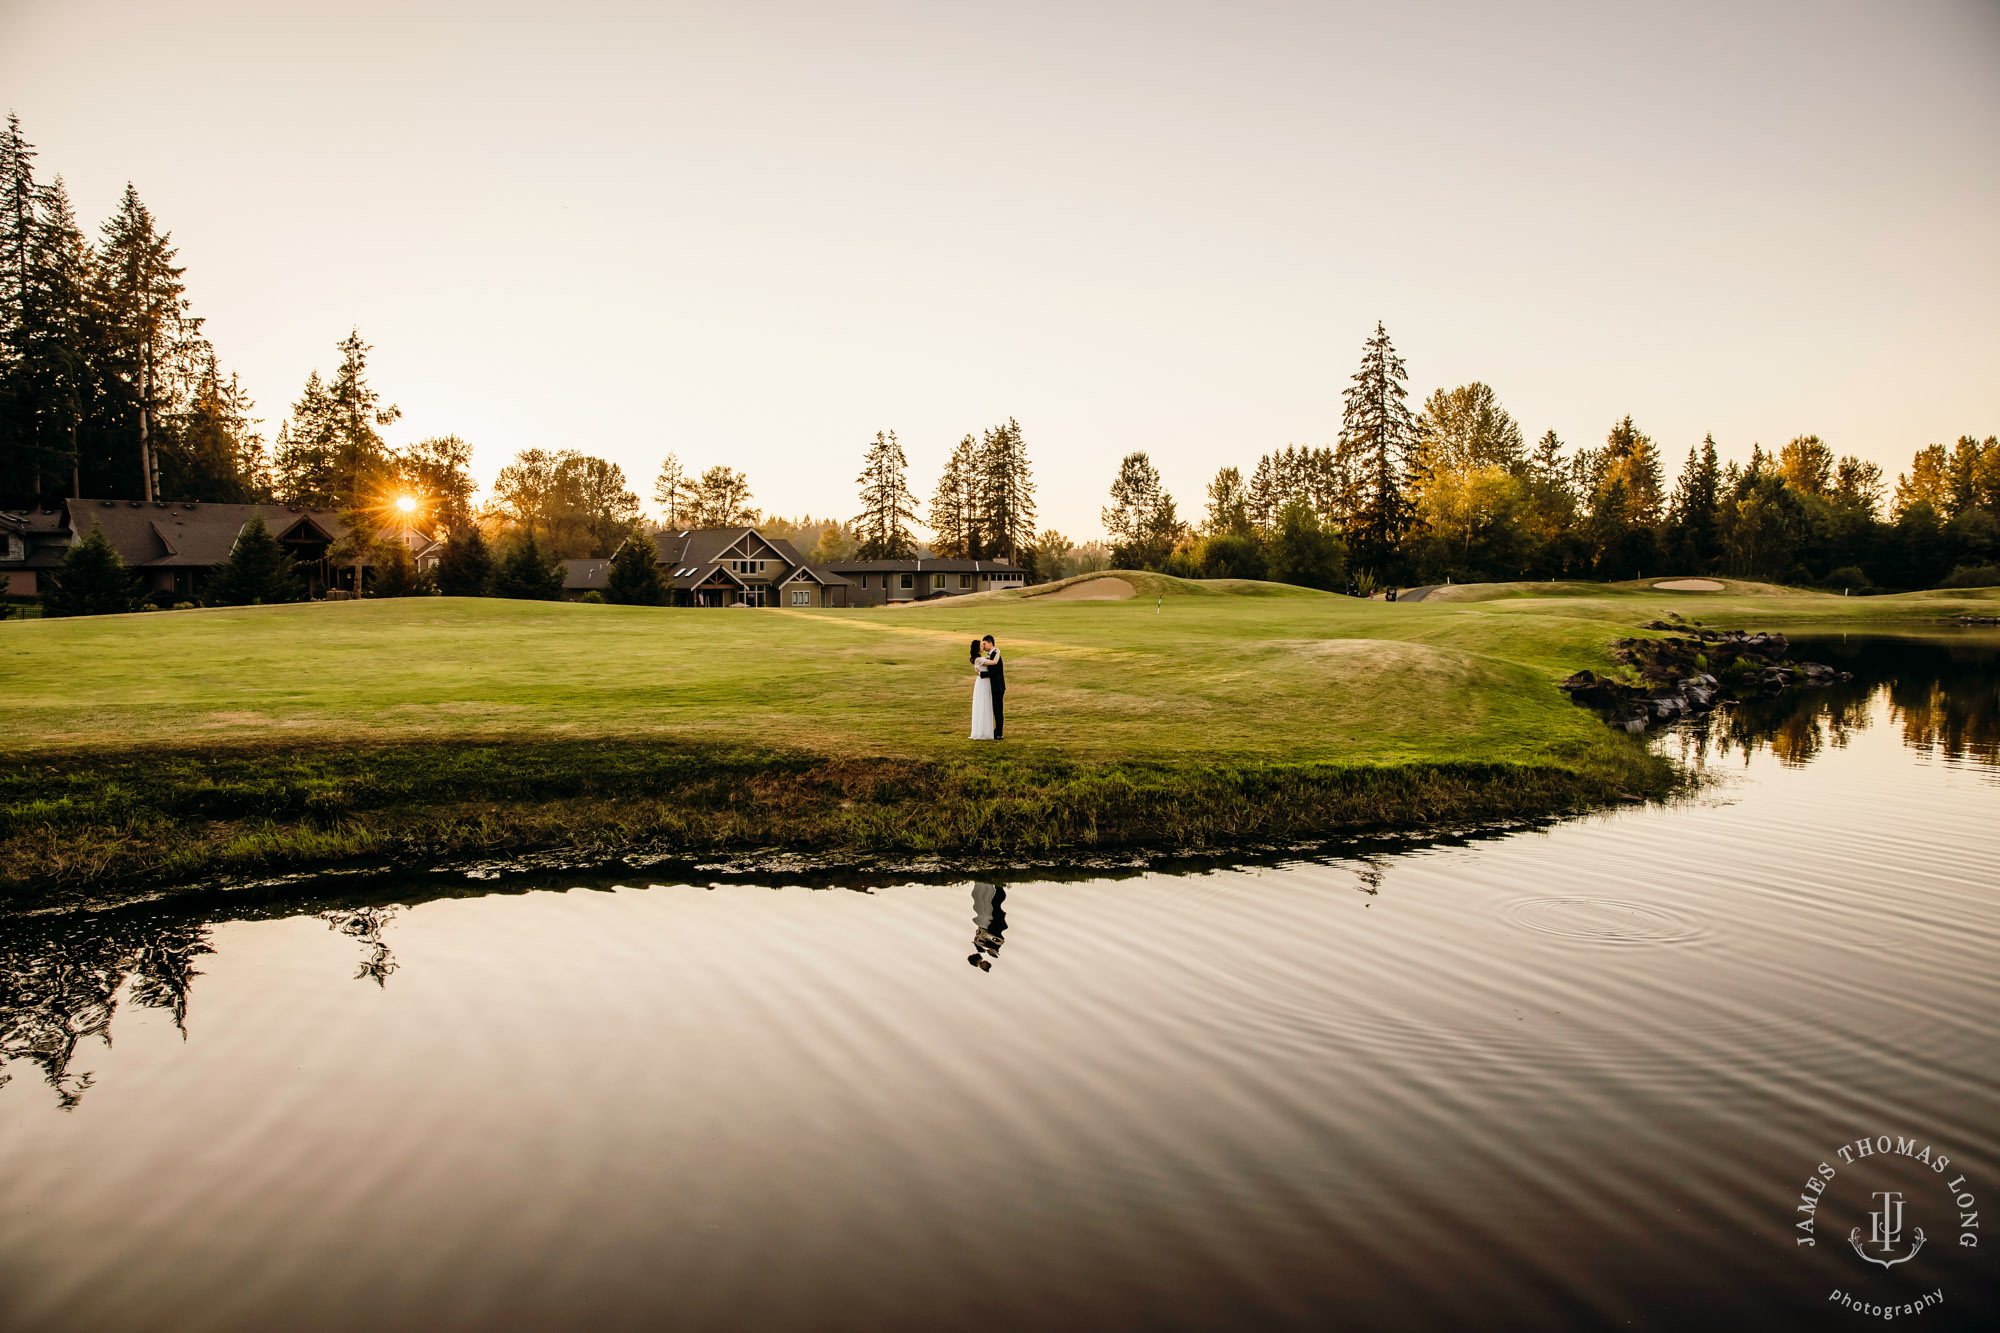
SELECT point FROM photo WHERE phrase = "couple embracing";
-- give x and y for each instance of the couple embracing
(989, 691)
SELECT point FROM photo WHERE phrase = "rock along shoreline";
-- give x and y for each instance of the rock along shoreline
(1692, 672)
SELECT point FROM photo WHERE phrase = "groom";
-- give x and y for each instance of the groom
(996, 674)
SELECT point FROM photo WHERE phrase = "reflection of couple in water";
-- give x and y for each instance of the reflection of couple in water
(989, 924)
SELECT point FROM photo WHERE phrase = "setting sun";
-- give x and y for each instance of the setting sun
(407, 503)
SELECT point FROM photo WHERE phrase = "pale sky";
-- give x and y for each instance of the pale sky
(757, 233)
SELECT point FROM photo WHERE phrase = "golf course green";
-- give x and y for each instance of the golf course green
(178, 747)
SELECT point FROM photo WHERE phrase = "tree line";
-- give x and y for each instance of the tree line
(1452, 492)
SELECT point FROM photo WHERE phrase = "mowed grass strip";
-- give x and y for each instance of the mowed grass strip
(172, 746)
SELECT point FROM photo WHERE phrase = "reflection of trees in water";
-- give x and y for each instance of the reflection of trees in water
(62, 986)
(365, 924)
(1945, 697)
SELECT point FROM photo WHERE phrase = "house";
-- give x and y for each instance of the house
(170, 544)
(881, 582)
(742, 567)
(723, 567)
(32, 542)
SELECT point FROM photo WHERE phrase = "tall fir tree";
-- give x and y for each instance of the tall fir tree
(149, 339)
(957, 511)
(1691, 517)
(1377, 439)
(887, 507)
(1006, 492)
(672, 491)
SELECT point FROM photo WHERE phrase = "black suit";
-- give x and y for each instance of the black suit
(996, 675)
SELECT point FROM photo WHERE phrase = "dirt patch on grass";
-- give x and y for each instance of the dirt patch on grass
(1091, 590)
(1689, 585)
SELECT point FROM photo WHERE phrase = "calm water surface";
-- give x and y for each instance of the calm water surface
(1573, 1077)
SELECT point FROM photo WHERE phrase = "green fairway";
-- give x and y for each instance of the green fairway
(356, 718)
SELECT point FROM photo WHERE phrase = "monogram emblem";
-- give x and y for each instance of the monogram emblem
(1885, 1231)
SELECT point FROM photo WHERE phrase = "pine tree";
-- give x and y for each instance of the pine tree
(1377, 439)
(955, 513)
(634, 578)
(1006, 492)
(527, 574)
(259, 570)
(91, 581)
(887, 507)
(465, 569)
(1691, 518)
(149, 341)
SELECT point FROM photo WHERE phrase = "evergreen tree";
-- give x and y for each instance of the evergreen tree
(91, 581)
(149, 342)
(1377, 438)
(51, 381)
(634, 578)
(465, 569)
(397, 575)
(259, 570)
(887, 507)
(1006, 492)
(1691, 518)
(956, 513)
(527, 574)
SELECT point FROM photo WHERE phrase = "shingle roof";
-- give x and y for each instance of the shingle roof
(169, 534)
(586, 574)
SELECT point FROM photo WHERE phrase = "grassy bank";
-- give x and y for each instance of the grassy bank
(173, 747)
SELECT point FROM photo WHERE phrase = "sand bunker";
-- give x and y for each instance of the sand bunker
(1689, 585)
(1091, 590)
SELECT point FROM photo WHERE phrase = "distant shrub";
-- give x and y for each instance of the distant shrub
(183, 606)
(594, 597)
(1973, 576)
(1847, 576)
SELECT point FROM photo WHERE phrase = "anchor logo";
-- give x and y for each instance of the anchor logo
(1885, 1230)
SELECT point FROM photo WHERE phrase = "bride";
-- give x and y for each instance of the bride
(982, 696)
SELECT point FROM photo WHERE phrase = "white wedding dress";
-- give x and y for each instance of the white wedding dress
(982, 708)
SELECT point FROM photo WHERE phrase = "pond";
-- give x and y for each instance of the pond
(1572, 1076)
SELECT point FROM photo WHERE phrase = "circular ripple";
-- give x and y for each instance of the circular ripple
(1604, 921)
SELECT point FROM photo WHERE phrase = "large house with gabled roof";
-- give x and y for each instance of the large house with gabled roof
(170, 544)
(743, 567)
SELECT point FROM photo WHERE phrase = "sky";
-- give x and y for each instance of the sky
(757, 233)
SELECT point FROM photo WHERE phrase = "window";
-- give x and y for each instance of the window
(937, 583)
(802, 597)
(13, 548)
(906, 581)
(965, 580)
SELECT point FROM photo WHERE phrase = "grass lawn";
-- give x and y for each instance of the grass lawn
(176, 745)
